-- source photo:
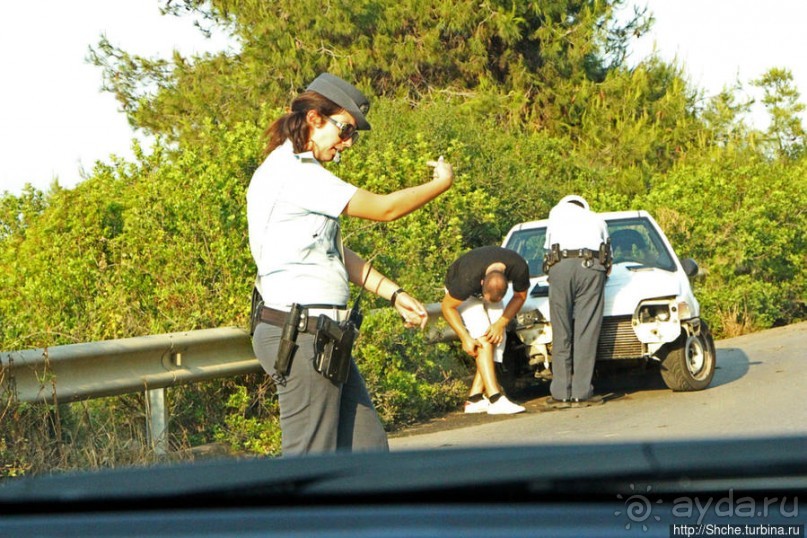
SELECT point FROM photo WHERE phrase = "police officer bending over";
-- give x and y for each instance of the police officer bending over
(577, 261)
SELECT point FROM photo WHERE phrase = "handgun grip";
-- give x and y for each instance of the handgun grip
(330, 327)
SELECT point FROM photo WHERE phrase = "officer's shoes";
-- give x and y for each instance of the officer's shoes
(588, 402)
(503, 406)
(552, 403)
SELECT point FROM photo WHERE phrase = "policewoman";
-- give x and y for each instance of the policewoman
(577, 261)
(293, 209)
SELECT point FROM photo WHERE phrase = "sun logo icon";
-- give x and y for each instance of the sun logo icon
(638, 508)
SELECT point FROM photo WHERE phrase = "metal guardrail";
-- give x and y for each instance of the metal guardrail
(92, 370)
(74, 372)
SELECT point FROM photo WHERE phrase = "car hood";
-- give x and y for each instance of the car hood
(627, 285)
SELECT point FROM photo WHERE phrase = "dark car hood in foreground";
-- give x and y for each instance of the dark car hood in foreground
(586, 470)
(556, 490)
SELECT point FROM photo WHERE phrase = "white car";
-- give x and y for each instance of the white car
(650, 310)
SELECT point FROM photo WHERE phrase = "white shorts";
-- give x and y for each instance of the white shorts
(477, 317)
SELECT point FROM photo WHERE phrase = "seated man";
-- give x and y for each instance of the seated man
(475, 286)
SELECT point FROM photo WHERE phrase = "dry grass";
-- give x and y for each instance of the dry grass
(736, 321)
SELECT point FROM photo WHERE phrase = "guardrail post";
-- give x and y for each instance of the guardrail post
(157, 420)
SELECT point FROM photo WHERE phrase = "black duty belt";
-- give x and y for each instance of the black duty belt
(555, 254)
(278, 319)
(579, 253)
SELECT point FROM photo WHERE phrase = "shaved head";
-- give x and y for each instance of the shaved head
(494, 286)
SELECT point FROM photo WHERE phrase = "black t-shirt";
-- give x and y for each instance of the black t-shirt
(464, 277)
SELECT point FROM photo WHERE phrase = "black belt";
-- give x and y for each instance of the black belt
(556, 254)
(579, 253)
(278, 319)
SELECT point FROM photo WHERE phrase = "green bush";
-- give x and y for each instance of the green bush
(244, 431)
(160, 245)
(408, 379)
(742, 218)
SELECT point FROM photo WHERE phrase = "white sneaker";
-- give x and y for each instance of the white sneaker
(503, 406)
(477, 407)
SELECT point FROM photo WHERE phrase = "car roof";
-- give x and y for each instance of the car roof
(610, 215)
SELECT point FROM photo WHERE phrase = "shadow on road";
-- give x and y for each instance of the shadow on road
(612, 381)
(621, 379)
(732, 364)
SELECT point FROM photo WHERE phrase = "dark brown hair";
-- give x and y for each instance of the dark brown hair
(292, 126)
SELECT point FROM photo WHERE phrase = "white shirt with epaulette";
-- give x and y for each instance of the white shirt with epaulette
(293, 208)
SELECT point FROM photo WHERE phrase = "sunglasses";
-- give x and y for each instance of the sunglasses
(347, 131)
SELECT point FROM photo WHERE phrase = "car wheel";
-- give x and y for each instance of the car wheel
(689, 363)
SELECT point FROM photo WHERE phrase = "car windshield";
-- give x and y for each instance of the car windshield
(633, 240)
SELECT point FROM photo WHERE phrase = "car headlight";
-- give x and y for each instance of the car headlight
(656, 322)
(684, 311)
(529, 318)
(652, 312)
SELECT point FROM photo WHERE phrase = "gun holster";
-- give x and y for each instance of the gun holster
(333, 346)
(552, 257)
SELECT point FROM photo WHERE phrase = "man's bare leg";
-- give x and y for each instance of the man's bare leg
(485, 371)
(478, 386)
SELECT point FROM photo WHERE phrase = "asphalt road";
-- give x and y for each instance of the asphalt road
(758, 390)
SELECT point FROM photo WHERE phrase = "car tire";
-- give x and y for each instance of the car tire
(689, 362)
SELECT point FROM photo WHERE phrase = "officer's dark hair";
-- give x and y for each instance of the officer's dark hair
(293, 126)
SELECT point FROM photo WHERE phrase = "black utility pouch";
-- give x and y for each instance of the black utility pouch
(551, 257)
(288, 340)
(333, 346)
(605, 254)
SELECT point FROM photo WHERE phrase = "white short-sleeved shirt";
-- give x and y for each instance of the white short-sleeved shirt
(573, 227)
(293, 208)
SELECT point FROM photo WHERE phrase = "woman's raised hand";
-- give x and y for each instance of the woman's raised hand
(443, 171)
